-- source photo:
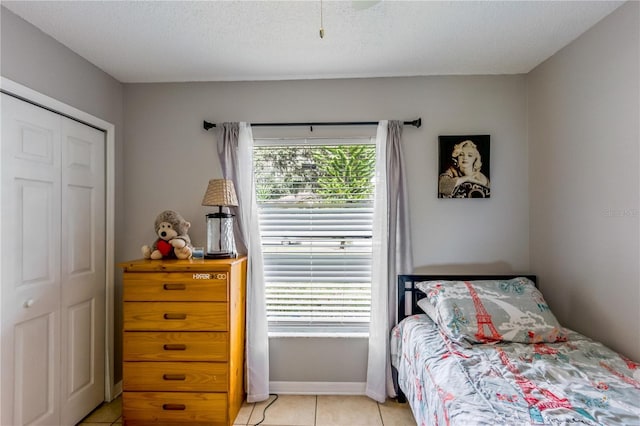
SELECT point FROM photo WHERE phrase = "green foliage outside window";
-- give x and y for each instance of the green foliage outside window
(346, 172)
(326, 174)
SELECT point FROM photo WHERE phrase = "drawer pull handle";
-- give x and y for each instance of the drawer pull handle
(175, 316)
(174, 377)
(175, 347)
(174, 407)
(174, 287)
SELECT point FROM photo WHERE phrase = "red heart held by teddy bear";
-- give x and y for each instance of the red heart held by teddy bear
(164, 247)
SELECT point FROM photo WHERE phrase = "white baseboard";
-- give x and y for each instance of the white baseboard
(117, 390)
(317, 388)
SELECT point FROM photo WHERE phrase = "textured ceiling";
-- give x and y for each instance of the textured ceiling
(162, 41)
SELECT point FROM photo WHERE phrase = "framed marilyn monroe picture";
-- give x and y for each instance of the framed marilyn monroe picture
(464, 166)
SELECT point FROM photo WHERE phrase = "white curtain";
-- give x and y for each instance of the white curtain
(391, 254)
(235, 150)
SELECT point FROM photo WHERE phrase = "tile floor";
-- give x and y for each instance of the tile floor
(107, 414)
(295, 410)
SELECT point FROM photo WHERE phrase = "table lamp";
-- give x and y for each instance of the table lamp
(220, 241)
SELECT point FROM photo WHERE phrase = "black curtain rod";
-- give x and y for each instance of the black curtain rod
(417, 123)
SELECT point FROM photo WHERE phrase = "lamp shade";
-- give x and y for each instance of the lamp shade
(220, 192)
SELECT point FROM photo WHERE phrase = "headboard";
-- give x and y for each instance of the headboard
(408, 294)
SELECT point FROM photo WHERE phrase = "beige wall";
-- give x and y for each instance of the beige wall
(35, 60)
(169, 158)
(584, 190)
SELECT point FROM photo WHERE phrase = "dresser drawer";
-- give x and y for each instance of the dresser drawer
(175, 316)
(176, 286)
(174, 408)
(175, 346)
(176, 376)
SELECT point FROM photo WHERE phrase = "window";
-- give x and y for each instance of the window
(315, 199)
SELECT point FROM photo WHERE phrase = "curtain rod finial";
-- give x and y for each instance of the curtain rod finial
(416, 123)
(206, 125)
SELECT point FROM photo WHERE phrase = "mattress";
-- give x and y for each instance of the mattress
(579, 381)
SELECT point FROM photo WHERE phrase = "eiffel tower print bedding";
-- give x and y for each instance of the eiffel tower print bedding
(494, 354)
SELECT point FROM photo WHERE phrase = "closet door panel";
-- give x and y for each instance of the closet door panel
(36, 366)
(35, 202)
(82, 269)
(31, 208)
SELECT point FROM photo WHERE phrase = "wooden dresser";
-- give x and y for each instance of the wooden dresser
(183, 342)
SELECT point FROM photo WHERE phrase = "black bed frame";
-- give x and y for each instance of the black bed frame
(408, 296)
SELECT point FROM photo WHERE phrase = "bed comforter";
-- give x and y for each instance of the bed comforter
(579, 381)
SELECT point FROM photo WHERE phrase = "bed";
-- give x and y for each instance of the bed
(489, 351)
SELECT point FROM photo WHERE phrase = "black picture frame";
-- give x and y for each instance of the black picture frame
(457, 177)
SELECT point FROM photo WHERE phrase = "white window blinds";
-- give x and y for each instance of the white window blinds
(315, 199)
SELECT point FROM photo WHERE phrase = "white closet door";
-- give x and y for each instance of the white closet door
(30, 264)
(38, 271)
(82, 270)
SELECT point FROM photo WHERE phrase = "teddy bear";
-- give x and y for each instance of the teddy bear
(173, 241)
